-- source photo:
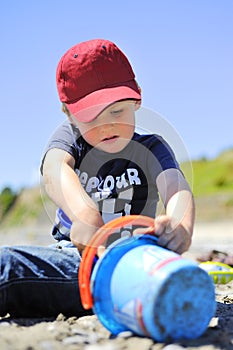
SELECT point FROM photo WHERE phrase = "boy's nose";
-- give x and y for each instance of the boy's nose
(106, 120)
(107, 127)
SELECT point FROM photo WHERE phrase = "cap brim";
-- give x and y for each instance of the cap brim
(90, 106)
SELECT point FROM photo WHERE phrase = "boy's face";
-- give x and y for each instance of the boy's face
(112, 130)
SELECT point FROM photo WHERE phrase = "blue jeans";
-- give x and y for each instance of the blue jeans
(37, 281)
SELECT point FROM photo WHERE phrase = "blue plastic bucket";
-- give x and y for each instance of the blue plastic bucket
(138, 286)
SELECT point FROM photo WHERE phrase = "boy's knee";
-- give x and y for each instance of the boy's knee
(8, 263)
(5, 253)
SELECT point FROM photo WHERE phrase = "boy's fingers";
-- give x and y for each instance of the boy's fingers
(143, 230)
(163, 230)
(100, 250)
(162, 225)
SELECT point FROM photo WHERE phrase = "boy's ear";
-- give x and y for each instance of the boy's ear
(137, 104)
(139, 88)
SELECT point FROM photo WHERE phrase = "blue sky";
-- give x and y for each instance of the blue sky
(181, 51)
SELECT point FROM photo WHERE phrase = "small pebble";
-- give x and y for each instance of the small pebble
(101, 347)
(4, 324)
(60, 317)
(173, 347)
(126, 334)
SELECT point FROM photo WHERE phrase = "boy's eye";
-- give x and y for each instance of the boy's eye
(117, 111)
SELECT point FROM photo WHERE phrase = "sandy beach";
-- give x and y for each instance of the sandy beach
(87, 333)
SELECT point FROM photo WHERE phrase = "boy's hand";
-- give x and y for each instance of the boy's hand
(170, 235)
(83, 228)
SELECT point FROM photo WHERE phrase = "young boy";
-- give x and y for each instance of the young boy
(95, 168)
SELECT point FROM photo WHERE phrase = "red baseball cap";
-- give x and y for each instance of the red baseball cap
(92, 75)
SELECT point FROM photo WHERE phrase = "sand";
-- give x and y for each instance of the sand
(87, 333)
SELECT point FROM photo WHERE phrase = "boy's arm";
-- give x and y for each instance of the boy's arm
(175, 228)
(64, 188)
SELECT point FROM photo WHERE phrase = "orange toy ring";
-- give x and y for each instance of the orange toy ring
(90, 251)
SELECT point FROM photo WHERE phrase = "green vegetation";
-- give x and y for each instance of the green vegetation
(213, 176)
(212, 183)
(24, 212)
(20, 208)
(7, 199)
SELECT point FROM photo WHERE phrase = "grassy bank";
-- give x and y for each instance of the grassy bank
(211, 181)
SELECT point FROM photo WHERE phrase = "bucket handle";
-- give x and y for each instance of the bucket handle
(90, 251)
